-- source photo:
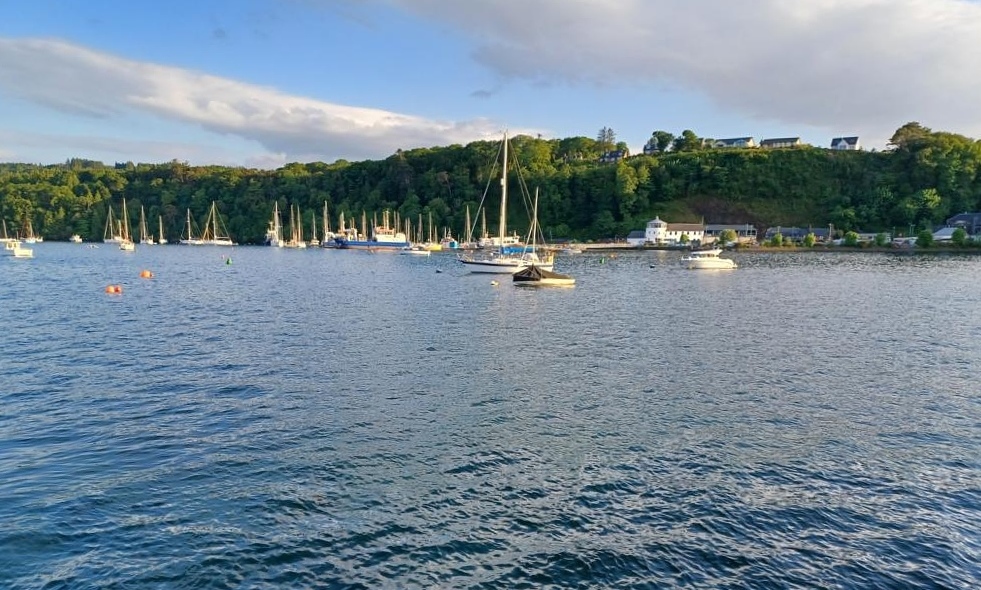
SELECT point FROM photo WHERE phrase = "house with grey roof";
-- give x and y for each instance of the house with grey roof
(971, 222)
(745, 232)
(845, 143)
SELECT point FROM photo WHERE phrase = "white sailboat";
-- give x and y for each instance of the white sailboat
(215, 233)
(534, 275)
(112, 234)
(126, 241)
(501, 261)
(160, 232)
(188, 238)
(314, 242)
(145, 238)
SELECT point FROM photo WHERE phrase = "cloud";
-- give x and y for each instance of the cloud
(837, 64)
(77, 80)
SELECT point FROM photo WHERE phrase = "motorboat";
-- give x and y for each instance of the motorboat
(536, 276)
(707, 259)
(16, 249)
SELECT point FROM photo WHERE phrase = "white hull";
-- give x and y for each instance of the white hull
(503, 265)
(707, 260)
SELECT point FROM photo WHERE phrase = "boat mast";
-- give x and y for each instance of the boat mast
(502, 225)
(467, 228)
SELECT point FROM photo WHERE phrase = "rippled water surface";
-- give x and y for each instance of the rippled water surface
(346, 420)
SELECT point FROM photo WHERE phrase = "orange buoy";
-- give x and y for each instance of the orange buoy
(114, 289)
(146, 274)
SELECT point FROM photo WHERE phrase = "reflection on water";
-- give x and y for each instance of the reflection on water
(322, 418)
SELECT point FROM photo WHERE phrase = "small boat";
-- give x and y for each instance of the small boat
(75, 239)
(707, 259)
(17, 250)
(536, 276)
(414, 251)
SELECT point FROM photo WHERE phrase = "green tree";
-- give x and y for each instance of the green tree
(850, 239)
(776, 240)
(924, 239)
(727, 236)
(809, 240)
(684, 239)
(881, 239)
(688, 142)
(959, 237)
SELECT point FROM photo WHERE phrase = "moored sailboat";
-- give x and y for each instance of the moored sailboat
(505, 260)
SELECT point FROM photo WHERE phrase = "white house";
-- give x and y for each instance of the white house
(845, 143)
(781, 142)
(735, 142)
(670, 234)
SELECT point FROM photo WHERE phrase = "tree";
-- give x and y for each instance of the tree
(727, 236)
(809, 240)
(684, 239)
(776, 240)
(607, 138)
(924, 239)
(659, 142)
(881, 239)
(959, 237)
(851, 239)
(688, 142)
(909, 135)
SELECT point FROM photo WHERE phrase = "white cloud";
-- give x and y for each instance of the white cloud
(847, 65)
(78, 80)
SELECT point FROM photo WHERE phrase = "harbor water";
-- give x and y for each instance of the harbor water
(265, 418)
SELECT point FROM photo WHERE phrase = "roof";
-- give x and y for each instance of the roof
(637, 233)
(781, 140)
(686, 227)
(848, 140)
(722, 226)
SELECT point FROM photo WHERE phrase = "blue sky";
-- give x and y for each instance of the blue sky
(261, 83)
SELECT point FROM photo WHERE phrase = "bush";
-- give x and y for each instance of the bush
(924, 239)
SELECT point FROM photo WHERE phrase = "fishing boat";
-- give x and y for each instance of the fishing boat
(125, 240)
(383, 237)
(502, 260)
(274, 235)
(707, 259)
(145, 238)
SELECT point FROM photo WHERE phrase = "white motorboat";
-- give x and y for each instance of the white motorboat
(17, 250)
(535, 276)
(707, 259)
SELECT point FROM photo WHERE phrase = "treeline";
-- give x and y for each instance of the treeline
(926, 177)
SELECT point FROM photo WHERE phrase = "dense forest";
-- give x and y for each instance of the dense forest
(921, 180)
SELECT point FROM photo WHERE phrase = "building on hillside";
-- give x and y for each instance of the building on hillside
(845, 143)
(636, 238)
(781, 142)
(745, 233)
(613, 157)
(735, 142)
(662, 233)
(970, 222)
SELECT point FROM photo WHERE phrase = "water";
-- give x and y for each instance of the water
(346, 420)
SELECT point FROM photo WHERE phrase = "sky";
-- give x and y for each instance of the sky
(263, 83)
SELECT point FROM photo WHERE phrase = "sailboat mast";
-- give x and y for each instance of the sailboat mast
(502, 225)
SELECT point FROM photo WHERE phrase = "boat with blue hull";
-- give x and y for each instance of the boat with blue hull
(383, 237)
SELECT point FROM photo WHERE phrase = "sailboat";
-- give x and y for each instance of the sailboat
(160, 235)
(112, 234)
(314, 242)
(189, 238)
(534, 275)
(215, 233)
(29, 237)
(145, 238)
(126, 241)
(274, 235)
(502, 260)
